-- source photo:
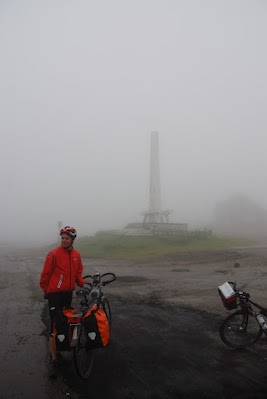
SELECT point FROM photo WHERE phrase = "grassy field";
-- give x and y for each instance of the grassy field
(112, 246)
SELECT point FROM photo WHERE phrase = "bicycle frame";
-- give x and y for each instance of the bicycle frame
(83, 356)
(76, 338)
(243, 327)
(250, 306)
(96, 297)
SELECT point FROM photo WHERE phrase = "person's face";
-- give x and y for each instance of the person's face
(66, 241)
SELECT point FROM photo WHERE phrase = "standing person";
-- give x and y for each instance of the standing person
(62, 270)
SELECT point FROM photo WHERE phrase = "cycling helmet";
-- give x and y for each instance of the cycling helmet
(70, 231)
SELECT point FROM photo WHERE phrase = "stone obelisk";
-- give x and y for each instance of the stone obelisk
(155, 213)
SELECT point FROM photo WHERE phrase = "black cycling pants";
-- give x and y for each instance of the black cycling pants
(57, 300)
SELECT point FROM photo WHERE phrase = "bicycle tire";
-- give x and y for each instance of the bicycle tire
(104, 304)
(240, 330)
(83, 358)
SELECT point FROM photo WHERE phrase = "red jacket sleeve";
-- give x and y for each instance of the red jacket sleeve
(47, 271)
(79, 280)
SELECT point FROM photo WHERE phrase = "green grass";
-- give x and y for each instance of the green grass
(112, 246)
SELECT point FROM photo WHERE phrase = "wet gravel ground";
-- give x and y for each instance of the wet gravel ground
(160, 348)
(23, 348)
(157, 353)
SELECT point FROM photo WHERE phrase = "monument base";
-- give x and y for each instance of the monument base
(155, 228)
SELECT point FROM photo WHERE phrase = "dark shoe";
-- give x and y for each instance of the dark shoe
(54, 363)
(53, 369)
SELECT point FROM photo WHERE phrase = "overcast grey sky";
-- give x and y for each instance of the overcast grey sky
(84, 83)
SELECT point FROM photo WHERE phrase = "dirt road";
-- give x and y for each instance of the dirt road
(165, 342)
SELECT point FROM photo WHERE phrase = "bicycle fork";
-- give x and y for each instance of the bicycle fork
(75, 326)
(74, 338)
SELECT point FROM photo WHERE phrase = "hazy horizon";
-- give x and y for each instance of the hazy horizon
(83, 85)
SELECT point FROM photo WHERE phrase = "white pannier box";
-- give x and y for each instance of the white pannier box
(227, 290)
(228, 295)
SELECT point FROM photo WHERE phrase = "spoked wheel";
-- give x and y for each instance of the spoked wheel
(240, 330)
(104, 304)
(83, 358)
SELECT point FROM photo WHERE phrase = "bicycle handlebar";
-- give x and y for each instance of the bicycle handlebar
(82, 292)
(112, 275)
(97, 278)
(96, 282)
(237, 291)
(243, 295)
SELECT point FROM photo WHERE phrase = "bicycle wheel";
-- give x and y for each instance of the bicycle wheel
(104, 304)
(240, 330)
(83, 358)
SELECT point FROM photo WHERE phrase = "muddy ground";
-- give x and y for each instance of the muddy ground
(165, 341)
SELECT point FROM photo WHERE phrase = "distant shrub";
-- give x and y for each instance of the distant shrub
(106, 244)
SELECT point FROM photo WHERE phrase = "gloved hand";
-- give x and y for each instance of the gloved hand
(45, 295)
(87, 287)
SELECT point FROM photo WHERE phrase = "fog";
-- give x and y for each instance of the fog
(83, 85)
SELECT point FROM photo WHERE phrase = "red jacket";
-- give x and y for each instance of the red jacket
(62, 270)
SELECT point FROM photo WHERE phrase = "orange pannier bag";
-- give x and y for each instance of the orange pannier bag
(96, 327)
(69, 312)
(62, 328)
